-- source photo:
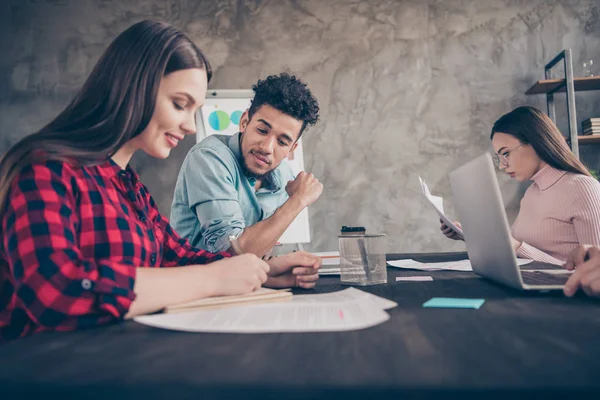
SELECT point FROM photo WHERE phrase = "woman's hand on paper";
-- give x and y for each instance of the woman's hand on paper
(238, 275)
(299, 269)
(449, 232)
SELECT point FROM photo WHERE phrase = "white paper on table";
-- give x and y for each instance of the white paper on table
(462, 265)
(332, 314)
(406, 263)
(438, 204)
(325, 271)
(345, 296)
(553, 271)
(414, 279)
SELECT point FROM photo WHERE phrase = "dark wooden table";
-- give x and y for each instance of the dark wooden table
(516, 345)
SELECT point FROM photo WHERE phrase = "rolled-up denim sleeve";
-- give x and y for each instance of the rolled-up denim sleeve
(216, 231)
(211, 189)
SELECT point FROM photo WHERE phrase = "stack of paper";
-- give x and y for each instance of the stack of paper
(331, 262)
(591, 126)
(346, 310)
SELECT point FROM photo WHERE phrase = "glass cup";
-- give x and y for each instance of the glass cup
(588, 68)
(362, 259)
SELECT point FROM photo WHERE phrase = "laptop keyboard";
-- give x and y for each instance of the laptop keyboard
(543, 278)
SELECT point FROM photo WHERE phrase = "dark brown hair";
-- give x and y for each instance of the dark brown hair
(289, 95)
(532, 126)
(114, 105)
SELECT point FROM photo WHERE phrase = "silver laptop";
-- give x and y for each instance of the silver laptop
(487, 235)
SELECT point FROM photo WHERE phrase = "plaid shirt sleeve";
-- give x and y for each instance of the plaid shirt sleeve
(178, 251)
(57, 287)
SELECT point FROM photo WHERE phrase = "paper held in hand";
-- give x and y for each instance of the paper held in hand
(438, 204)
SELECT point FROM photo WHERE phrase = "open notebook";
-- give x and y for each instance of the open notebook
(262, 295)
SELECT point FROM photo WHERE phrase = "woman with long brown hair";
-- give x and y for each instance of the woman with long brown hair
(82, 243)
(561, 209)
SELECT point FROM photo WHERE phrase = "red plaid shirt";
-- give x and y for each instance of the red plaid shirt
(71, 241)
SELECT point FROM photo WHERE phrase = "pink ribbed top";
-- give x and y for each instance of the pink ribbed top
(559, 211)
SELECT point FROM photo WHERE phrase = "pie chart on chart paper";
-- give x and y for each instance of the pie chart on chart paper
(219, 120)
(236, 116)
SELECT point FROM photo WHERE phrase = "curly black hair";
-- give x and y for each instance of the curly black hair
(289, 95)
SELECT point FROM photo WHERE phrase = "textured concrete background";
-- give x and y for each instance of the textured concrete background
(405, 87)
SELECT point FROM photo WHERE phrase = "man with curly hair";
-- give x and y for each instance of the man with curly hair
(241, 185)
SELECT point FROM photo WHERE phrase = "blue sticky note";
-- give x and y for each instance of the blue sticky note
(451, 302)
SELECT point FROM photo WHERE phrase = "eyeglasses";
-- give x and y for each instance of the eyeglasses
(502, 159)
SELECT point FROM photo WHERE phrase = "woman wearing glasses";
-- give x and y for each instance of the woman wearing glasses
(561, 209)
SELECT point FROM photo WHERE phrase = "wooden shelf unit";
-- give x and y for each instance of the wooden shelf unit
(559, 85)
(568, 85)
(589, 139)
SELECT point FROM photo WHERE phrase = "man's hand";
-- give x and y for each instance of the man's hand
(305, 188)
(293, 269)
(586, 262)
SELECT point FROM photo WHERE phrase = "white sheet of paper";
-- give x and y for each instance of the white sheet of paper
(438, 205)
(552, 271)
(438, 202)
(414, 279)
(462, 265)
(329, 270)
(344, 297)
(340, 311)
(406, 263)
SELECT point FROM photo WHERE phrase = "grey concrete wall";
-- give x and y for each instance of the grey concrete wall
(406, 87)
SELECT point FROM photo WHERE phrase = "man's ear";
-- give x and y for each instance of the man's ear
(244, 120)
(290, 155)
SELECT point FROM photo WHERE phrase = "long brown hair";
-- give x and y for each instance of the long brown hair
(532, 126)
(114, 105)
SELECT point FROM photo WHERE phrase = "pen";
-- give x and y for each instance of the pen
(365, 258)
(237, 250)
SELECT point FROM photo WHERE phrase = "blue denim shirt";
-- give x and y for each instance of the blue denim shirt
(214, 198)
